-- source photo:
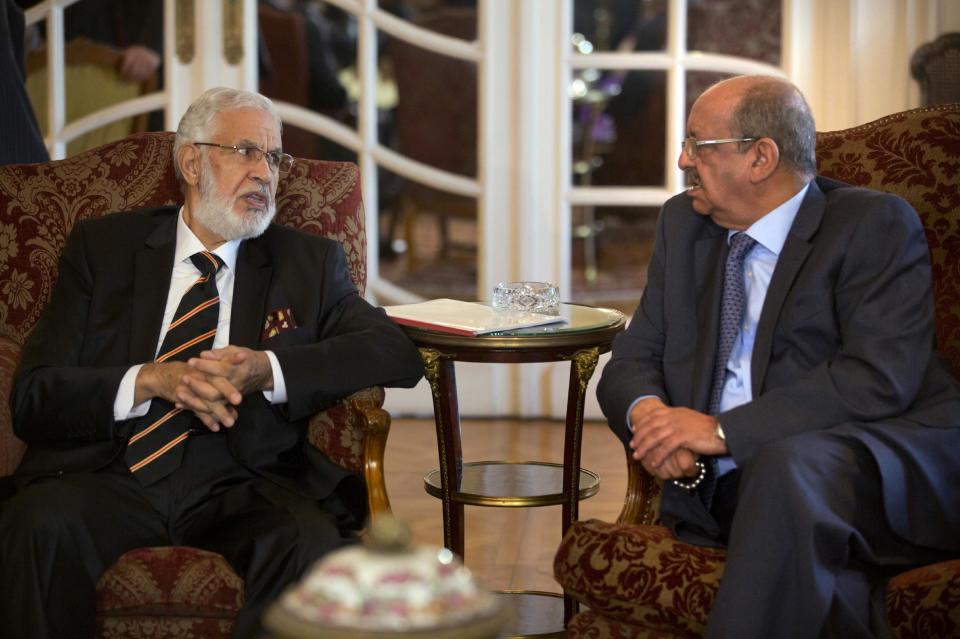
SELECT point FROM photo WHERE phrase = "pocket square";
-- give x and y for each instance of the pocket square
(279, 320)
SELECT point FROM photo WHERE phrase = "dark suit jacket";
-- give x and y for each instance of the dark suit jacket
(105, 313)
(20, 139)
(845, 341)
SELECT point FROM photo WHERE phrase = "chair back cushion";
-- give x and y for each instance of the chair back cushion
(916, 155)
(39, 204)
(936, 66)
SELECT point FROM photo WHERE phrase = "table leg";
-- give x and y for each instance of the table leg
(582, 365)
(440, 373)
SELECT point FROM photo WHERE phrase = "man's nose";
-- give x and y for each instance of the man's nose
(684, 162)
(260, 170)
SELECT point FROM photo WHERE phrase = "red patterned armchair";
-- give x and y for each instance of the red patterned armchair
(634, 577)
(174, 591)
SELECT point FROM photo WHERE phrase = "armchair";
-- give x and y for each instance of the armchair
(936, 68)
(171, 591)
(635, 578)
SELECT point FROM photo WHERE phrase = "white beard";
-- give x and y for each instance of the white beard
(216, 212)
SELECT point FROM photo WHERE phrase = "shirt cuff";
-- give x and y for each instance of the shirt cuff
(123, 407)
(278, 394)
(634, 403)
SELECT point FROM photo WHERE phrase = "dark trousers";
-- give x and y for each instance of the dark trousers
(58, 535)
(809, 550)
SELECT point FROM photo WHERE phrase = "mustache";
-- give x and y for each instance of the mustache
(260, 190)
(691, 178)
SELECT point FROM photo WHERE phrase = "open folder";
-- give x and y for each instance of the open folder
(465, 318)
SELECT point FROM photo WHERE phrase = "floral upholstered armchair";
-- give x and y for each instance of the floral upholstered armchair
(173, 591)
(635, 578)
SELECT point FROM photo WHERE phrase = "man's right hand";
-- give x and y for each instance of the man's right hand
(173, 382)
(679, 465)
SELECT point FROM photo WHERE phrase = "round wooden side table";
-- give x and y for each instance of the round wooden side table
(586, 333)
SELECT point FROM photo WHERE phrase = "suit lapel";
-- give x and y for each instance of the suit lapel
(249, 295)
(152, 267)
(709, 253)
(794, 254)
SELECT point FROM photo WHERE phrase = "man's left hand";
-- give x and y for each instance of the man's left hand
(660, 430)
(244, 370)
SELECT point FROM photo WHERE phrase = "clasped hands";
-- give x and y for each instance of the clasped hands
(668, 440)
(211, 386)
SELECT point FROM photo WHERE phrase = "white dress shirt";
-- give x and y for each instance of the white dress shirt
(182, 278)
(770, 232)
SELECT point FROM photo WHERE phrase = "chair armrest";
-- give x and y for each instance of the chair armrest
(376, 425)
(353, 434)
(642, 502)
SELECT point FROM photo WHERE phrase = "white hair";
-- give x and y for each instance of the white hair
(195, 124)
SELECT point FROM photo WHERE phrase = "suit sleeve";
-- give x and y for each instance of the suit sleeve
(636, 367)
(55, 398)
(358, 347)
(879, 298)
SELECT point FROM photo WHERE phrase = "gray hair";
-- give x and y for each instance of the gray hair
(774, 108)
(195, 124)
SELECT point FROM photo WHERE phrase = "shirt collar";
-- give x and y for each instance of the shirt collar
(188, 244)
(771, 230)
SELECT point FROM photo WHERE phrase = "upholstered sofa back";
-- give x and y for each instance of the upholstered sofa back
(915, 154)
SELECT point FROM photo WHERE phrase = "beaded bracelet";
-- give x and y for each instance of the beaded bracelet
(696, 481)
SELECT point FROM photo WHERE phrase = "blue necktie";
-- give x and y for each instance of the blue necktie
(731, 315)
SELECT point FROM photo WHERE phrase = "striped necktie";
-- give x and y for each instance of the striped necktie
(154, 449)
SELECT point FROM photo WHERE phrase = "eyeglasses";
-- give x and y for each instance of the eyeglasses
(690, 145)
(276, 160)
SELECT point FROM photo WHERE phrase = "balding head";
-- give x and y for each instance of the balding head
(767, 106)
(752, 149)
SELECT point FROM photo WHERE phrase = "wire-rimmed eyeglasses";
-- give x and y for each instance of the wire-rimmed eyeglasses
(276, 160)
(691, 144)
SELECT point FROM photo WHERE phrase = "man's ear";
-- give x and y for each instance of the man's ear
(188, 158)
(766, 159)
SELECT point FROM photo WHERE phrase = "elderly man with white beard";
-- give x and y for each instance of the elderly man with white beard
(158, 412)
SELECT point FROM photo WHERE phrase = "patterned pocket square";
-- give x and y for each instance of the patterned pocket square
(279, 320)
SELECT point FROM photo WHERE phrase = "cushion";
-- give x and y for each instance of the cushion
(925, 602)
(590, 625)
(641, 578)
(639, 575)
(168, 591)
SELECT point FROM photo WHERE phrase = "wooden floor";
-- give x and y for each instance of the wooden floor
(506, 548)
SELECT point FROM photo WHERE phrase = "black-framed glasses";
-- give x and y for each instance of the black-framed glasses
(691, 144)
(276, 160)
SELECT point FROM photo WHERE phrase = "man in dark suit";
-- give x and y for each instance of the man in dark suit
(232, 471)
(780, 376)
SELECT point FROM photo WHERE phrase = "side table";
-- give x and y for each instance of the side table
(586, 333)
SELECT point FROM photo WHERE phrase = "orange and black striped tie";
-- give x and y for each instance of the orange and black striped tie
(155, 448)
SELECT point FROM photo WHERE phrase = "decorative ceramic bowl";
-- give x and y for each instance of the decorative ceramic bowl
(386, 589)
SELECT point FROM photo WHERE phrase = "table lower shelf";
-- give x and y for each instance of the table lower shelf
(534, 614)
(512, 484)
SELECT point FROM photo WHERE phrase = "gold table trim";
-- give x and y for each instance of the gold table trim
(431, 483)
